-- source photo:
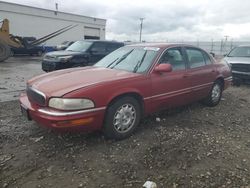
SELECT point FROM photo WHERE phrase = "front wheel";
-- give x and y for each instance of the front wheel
(215, 94)
(122, 118)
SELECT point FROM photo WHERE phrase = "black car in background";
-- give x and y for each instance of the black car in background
(80, 53)
(31, 50)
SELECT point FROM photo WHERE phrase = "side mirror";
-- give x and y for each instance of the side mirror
(164, 67)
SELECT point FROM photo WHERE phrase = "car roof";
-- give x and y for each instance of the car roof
(161, 45)
(106, 41)
(243, 46)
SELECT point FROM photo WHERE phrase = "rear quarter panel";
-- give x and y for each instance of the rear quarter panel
(224, 72)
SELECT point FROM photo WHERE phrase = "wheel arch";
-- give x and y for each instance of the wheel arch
(221, 79)
(133, 94)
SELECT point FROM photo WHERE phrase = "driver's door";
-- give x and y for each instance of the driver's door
(173, 88)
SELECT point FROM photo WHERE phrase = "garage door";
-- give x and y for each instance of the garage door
(91, 32)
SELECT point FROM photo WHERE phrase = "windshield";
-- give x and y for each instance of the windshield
(79, 46)
(240, 52)
(132, 59)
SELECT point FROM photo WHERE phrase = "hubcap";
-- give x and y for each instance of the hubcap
(124, 118)
(216, 93)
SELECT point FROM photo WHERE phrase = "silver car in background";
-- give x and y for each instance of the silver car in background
(239, 60)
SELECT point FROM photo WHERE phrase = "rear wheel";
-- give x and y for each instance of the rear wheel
(4, 51)
(122, 118)
(215, 94)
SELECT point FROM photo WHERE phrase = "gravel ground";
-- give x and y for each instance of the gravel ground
(191, 146)
(13, 75)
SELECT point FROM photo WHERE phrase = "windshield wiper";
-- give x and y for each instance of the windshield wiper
(121, 59)
(139, 63)
(112, 62)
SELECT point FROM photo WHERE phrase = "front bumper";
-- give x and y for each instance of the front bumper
(49, 66)
(84, 120)
(241, 75)
(228, 82)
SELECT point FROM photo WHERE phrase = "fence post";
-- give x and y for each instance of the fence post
(212, 45)
(221, 46)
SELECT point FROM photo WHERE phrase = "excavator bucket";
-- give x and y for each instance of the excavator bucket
(4, 34)
(4, 50)
(7, 40)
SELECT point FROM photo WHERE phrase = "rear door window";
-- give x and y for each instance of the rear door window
(195, 57)
(207, 58)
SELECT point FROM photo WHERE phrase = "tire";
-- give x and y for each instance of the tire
(215, 94)
(4, 51)
(129, 109)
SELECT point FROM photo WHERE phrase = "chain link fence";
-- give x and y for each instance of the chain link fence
(219, 48)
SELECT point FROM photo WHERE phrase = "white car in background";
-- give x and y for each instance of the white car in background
(239, 60)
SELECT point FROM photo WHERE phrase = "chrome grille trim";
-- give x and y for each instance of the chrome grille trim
(36, 95)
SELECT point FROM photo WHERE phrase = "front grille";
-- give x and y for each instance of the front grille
(48, 66)
(241, 67)
(35, 96)
(48, 57)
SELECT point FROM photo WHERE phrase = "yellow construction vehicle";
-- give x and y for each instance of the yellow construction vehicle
(7, 41)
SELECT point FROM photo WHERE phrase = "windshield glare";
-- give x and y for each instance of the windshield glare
(132, 59)
(79, 46)
(240, 52)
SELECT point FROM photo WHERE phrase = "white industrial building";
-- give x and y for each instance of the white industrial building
(27, 21)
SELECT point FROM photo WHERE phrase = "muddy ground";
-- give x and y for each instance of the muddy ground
(192, 146)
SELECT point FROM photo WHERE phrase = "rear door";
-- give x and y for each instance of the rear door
(171, 89)
(201, 72)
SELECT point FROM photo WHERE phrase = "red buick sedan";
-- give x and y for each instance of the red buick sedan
(131, 82)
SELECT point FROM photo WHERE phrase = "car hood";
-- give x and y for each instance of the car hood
(59, 83)
(63, 53)
(238, 60)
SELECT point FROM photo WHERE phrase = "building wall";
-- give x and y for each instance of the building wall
(35, 22)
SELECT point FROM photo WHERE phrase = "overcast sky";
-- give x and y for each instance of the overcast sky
(165, 20)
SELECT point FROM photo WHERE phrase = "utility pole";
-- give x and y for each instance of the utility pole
(141, 19)
(212, 45)
(226, 37)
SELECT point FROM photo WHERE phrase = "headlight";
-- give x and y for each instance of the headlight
(229, 64)
(65, 58)
(70, 104)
